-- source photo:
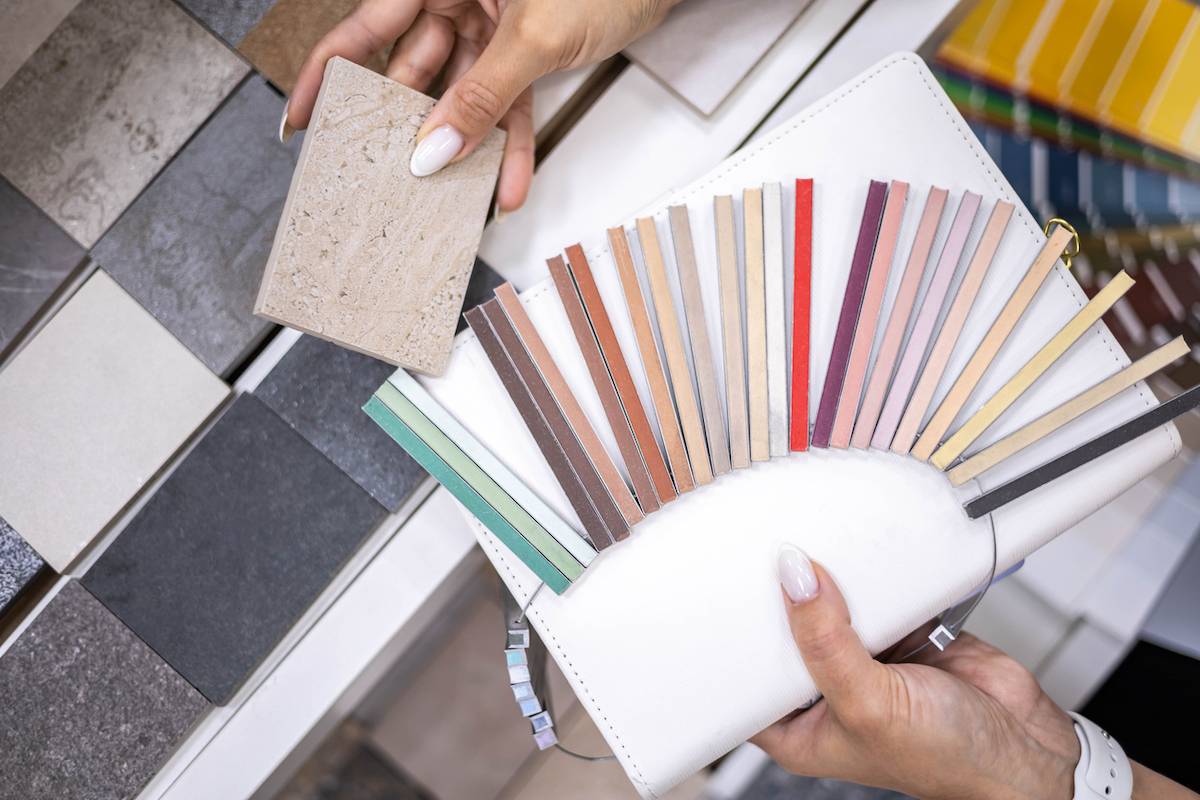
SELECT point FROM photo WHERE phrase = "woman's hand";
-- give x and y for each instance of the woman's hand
(491, 51)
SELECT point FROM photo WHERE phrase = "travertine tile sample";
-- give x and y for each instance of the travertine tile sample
(367, 255)
(319, 389)
(280, 42)
(705, 48)
(102, 106)
(192, 247)
(23, 27)
(232, 548)
(18, 564)
(35, 258)
(92, 408)
(87, 711)
(229, 19)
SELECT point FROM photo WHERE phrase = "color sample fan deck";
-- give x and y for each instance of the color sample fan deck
(801, 313)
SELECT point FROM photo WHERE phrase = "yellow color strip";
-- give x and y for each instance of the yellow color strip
(1181, 97)
(1011, 35)
(960, 47)
(1016, 386)
(1148, 66)
(1084, 92)
(1045, 425)
(1060, 44)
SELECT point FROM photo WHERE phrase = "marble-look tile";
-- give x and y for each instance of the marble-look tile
(232, 548)
(18, 564)
(229, 19)
(35, 258)
(87, 711)
(99, 108)
(367, 255)
(92, 407)
(280, 42)
(319, 389)
(23, 27)
(192, 247)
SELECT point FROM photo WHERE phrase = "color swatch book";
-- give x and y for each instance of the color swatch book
(670, 627)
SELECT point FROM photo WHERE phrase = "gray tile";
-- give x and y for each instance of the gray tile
(104, 103)
(192, 247)
(23, 27)
(36, 256)
(319, 389)
(229, 19)
(480, 288)
(776, 783)
(87, 711)
(18, 564)
(232, 548)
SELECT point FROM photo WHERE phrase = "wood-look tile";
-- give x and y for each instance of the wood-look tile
(19, 564)
(36, 256)
(23, 28)
(87, 711)
(229, 19)
(232, 548)
(192, 247)
(102, 106)
(367, 255)
(92, 408)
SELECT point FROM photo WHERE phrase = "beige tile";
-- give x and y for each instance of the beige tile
(91, 409)
(367, 255)
(98, 110)
(24, 26)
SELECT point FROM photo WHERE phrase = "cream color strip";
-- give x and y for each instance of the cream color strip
(756, 325)
(1047, 424)
(1016, 386)
(776, 301)
(668, 326)
(731, 327)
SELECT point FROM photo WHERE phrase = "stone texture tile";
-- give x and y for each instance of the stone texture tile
(98, 110)
(192, 247)
(776, 783)
(280, 42)
(229, 19)
(232, 548)
(18, 564)
(319, 389)
(35, 258)
(92, 407)
(367, 255)
(87, 711)
(23, 27)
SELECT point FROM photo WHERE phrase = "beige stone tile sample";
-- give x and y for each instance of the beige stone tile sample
(367, 255)
(23, 27)
(92, 407)
(100, 108)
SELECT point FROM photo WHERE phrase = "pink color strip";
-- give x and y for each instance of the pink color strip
(893, 335)
(868, 318)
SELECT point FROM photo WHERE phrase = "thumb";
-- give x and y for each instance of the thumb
(833, 654)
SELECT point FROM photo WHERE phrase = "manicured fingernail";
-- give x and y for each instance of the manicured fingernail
(796, 574)
(436, 150)
(285, 130)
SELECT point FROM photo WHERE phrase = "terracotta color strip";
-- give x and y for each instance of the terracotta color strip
(731, 328)
(642, 485)
(619, 369)
(777, 373)
(801, 313)
(601, 460)
(856, 285)
(1088, 316)
(1089, 451)
(868, 318)
(560, 465)
(1047, 424)
(660, 393)
(756, 325)
(702, 360)
(893, 334)
(952, 327)
(956, 398)
(668, 326)
(914, 353)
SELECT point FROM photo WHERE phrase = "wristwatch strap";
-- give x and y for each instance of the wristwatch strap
(1103, 772)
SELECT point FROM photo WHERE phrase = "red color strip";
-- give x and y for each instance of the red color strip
(802, 293)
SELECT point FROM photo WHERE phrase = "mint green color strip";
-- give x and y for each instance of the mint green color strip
(487, 461)
(446, 476)
(479, 480)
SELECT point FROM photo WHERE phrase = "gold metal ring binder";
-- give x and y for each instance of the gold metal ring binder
(1068, 254)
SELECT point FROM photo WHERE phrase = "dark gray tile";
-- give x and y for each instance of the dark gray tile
(480, 288)
(192, 247)
(87, 711)
(232, 548)
(319, 389)
(18, 564)
(36, 256)
(229, 19)
(776, 783)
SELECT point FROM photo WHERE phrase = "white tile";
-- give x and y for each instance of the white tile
(1018, 622)
(1078, 668)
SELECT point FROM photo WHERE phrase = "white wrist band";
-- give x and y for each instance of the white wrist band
(1103, 772)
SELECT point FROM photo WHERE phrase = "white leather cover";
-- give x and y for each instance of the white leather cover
(675, 640)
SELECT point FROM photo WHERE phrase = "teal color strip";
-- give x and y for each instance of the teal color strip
(466, 495)
(477, 452)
